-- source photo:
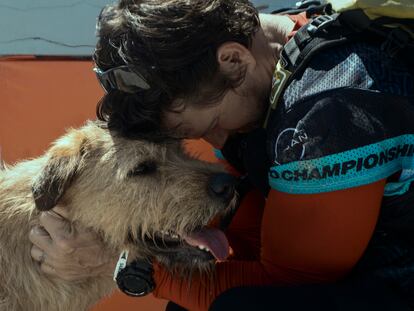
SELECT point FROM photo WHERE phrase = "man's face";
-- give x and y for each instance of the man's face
(239, 110)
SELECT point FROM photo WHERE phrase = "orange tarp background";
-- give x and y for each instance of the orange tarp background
(39, 99)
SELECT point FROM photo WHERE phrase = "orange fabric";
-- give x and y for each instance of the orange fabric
(304, 239)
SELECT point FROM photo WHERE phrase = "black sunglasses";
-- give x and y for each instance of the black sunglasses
(121, 78)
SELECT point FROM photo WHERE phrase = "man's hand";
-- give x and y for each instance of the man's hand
(70, 253)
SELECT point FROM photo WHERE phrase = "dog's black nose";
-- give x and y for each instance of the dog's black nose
(222, 185)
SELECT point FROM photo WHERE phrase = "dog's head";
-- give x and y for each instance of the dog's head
(150, 198)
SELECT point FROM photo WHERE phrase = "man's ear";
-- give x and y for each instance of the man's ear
(63, 162)
(234, 58)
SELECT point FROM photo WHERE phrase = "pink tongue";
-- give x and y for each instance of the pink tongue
(213, 239)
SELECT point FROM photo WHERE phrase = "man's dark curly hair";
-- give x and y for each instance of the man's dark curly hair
(173, 44)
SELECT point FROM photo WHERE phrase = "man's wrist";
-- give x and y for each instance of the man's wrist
(136, 278)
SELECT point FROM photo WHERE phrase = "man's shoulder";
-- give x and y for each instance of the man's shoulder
(340, 138)
(328, 122)
(345, 98)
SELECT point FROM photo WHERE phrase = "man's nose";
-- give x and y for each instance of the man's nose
(217, 138)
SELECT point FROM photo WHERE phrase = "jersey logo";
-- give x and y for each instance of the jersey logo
(290, 141)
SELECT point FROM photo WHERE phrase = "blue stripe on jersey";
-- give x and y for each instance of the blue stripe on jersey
(352, 168)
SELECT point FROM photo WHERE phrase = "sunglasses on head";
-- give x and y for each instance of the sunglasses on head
(121, 78)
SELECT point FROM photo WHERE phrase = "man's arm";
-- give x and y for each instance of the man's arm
(305, 239)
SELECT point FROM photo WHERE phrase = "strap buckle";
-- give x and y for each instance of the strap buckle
(319, 23)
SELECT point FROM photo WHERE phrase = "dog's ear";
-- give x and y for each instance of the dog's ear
(63, 162)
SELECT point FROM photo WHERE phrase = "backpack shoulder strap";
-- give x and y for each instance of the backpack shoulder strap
(298, 51)
(333, 29)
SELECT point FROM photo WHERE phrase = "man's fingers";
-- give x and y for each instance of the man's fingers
(56, 225)
(40, 237)
(38, 254)
(48, 269)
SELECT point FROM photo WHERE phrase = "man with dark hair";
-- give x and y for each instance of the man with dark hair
(173, 45)
(203, 69)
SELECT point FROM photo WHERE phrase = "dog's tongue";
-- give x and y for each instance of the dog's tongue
(212, 238)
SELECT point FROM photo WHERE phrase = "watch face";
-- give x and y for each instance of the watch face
(135, 285)
(136, 279)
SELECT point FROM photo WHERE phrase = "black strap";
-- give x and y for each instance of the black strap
(322, 32)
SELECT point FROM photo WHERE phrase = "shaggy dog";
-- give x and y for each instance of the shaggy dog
(151, 199)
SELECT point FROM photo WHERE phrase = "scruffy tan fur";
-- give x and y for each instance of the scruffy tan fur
(89, 171)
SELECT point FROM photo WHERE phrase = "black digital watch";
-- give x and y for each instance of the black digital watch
(136, 278)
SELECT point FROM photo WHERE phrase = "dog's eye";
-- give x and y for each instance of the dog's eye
(143, 168)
